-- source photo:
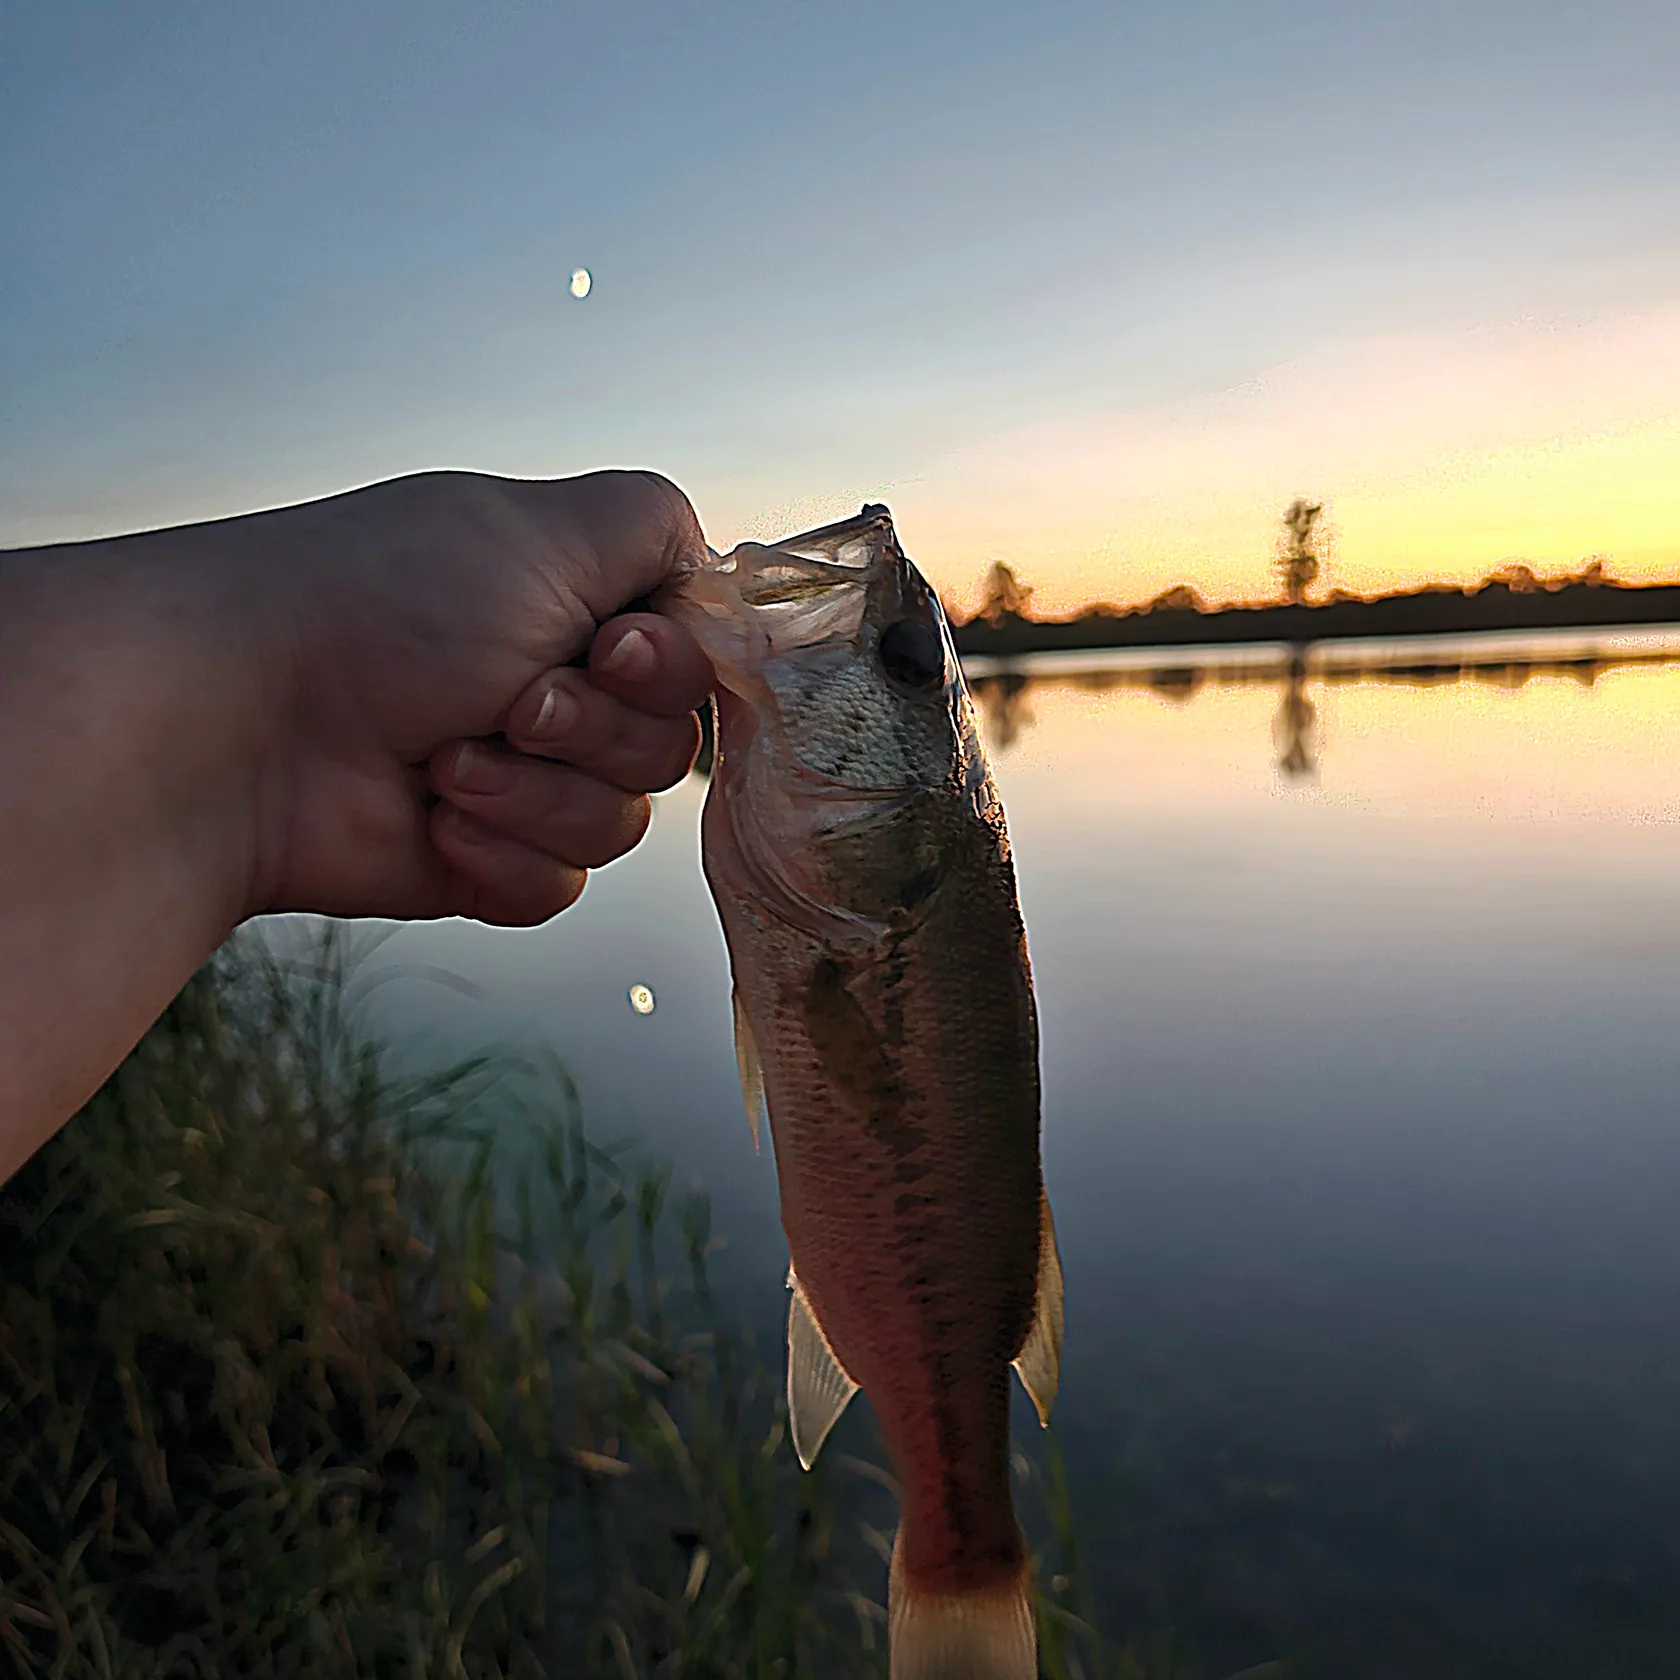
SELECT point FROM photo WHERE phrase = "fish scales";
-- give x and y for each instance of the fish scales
(889, 1078)
(856, 850)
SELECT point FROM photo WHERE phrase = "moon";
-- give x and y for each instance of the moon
(581, 282)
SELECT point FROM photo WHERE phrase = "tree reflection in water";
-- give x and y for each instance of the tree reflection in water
(1003, 692)
(1003, 699)
(1295, 727)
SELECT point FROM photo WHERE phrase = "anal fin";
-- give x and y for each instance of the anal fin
(818, 1388)
(1040, 1360)
(750, 1068)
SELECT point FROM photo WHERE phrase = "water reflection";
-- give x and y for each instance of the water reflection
(1295, 728)
(1003, 689)
(1007, 712)
(1357, 969)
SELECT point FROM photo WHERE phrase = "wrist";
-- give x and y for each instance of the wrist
(138, 692)
(133, 735)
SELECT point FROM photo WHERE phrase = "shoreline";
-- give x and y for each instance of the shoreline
(1432, 612)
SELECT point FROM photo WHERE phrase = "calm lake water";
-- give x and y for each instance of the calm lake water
(1361, 1003)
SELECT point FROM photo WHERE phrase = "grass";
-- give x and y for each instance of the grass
(308, 1367)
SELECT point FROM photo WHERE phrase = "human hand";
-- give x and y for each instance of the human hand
(437, 752)
(202, 723)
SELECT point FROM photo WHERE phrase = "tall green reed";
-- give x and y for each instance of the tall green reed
(311, 1366)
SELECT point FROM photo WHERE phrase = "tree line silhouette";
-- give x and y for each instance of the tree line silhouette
(1514, 597)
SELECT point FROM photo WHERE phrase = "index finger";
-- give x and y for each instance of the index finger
(650, 662)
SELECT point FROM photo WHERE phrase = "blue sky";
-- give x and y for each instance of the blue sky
(253, 253)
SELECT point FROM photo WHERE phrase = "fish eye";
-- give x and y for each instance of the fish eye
(912, 654)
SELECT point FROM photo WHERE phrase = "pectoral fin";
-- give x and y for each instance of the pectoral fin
(750, 1068)
(1040, 1358)
(817, 1387)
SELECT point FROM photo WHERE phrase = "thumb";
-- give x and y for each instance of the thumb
(623, 533)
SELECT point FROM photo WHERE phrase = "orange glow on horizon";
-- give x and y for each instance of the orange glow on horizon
(1439, 458)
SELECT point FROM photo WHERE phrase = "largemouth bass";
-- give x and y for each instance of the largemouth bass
(855, 845)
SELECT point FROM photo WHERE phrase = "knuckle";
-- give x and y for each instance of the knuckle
(639, 820)
(633, 817)
(677, 513)
(677, 758)
(604, 828)
(669, 495)
(558, 888)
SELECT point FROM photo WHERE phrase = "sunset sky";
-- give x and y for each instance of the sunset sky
(1094, 289)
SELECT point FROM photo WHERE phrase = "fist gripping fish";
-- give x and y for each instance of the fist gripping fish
(855, 846)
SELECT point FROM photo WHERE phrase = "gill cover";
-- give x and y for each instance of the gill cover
(840, 700)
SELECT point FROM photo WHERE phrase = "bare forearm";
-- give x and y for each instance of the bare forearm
(268, 713)
(130, 731)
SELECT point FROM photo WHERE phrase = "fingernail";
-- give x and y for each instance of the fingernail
(477, 771)
(632, 656)
(555, 716)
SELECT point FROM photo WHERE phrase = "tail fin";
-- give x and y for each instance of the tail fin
(985, 1635)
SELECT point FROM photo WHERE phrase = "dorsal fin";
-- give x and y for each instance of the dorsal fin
(1040, 1359)
(818, 1388)
(750, 1068)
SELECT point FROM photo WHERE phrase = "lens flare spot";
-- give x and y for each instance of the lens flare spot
(642, 1000)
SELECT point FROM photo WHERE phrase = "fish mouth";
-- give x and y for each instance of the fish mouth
(761, 601)
(866, 539)
(844, 552)
(842, 590)
(817, 601)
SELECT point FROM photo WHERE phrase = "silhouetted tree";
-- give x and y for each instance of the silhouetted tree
(1518, 578)
(1522, 579)
(1298, 562)
(1003, 595)
(1180, 598)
